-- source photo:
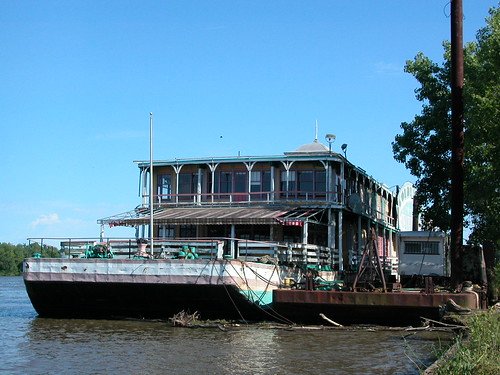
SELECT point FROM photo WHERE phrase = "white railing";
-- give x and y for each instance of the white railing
(208, 248)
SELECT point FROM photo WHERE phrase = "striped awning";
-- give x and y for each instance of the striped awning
(216, 216)
(205, 216)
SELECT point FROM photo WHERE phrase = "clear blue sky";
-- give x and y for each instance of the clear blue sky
(79, 78)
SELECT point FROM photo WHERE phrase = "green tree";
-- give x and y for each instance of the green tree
(425, 144)
(11, 256)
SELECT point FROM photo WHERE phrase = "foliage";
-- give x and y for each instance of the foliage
(477, 353)
(425, 144)
(11, 256)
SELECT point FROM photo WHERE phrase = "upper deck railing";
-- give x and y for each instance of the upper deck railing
(246, 197)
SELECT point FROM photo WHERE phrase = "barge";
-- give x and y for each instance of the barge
(260, 226)
(151, 288)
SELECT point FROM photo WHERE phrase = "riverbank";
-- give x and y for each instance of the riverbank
(476, 350)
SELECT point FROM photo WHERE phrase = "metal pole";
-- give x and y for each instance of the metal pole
(457, 141)
(151, 185)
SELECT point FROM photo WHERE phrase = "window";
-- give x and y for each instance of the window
(291, 184)
(260, 181)
(255, 181)
(165, 187)
(188, 186)
(187, 231)
(240, 182)
(320, 181)
(226, 182)
(420, 247)
(305, 183)
(166, 231)
(240, 186)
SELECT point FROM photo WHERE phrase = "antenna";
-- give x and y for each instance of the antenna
(316, 133)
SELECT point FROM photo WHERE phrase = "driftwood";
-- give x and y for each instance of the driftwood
(323, 316)
(453, 326)
(187, 320)
(184, 319)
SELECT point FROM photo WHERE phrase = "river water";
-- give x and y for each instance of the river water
(32, 345)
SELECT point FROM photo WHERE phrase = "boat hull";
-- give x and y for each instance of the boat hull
(391, 309)
(58, 299)
(150, 289)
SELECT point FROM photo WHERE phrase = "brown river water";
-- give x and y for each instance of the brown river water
(32, 345)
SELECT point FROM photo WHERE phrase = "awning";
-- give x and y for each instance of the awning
(202, 216)
(216, 216)
(298, 216)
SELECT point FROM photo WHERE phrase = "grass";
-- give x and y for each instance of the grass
(477, 351)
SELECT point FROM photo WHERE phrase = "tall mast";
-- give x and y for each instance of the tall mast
(151, 185)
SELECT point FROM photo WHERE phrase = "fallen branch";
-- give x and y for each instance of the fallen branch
(183, 319)
(427, 320)
(323, 316)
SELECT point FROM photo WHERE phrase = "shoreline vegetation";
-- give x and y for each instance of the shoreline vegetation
(11, 256)
(475, 350)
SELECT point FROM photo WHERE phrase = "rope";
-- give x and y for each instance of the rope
(276, 315)
(232, 301)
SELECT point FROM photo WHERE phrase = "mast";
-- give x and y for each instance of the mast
(151, 185)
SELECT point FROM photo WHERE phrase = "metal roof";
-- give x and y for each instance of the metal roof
(215, 216)
(242, 159)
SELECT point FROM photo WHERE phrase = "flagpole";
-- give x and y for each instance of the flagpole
(151, 185)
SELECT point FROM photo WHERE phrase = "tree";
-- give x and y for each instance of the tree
(11, 256)
(425, 144)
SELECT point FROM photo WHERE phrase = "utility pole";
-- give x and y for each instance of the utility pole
(457, 142)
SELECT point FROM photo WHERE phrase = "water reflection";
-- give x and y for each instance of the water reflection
(115, 347)
(34, 345)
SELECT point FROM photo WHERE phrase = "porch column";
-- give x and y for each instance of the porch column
(249, 182)
(305, 234)
(340, 242)
(359, 250)
(331, 234)
(232, 243)
(287, 165)
(273, 184)
(144, 187)
(177, 170)
(212, 166)
(198, 186)
(384, 245)
(342, 184)
(329, 176)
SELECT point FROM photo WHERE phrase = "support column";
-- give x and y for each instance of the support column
(340, 241)
(305, 234)
(232, 245)
(249, 182)
(342, 199)
(177, 170)
(144, 188)
(212, 166)
(331, 235)
(198, 186)
(359, 249)
(329, 189)
(273, 184)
